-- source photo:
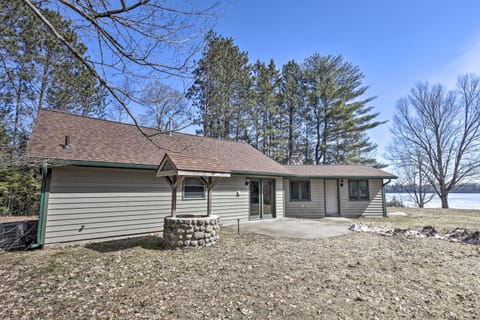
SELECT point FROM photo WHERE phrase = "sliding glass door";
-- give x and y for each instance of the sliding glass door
(262, 199)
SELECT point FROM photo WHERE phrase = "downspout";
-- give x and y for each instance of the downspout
(43, 205)
(384, 198)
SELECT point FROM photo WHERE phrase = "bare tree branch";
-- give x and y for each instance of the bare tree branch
(132, 41)
(443, 129)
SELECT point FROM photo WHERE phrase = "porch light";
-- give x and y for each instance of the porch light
(247, 181)
(341, 183)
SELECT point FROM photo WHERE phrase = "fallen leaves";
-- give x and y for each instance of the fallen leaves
(244, 277)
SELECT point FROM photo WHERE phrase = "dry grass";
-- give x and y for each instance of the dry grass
(251, 276)
(441, 219)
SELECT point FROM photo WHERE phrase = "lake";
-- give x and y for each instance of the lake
(455, 200)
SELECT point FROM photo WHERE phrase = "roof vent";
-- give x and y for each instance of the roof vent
(66, 145)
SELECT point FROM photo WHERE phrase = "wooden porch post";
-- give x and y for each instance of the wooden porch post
(210, 183)
(174, 202)
(174, 182)
(209, 201)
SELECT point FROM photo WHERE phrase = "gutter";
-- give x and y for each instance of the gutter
(384, 198)
(82, 163)
(42, 214)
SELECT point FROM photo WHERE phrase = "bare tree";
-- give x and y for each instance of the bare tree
(132, 40)
(412, 170)
(166, 108)
(444, 128)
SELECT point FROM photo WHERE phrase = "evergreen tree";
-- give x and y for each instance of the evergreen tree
(36, 72)
(221, 90)
(292, 103)
(266, 112)
(338, 114)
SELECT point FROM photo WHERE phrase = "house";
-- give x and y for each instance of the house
(101, 179)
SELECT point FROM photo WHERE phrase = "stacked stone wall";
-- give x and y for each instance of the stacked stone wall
(186, 231)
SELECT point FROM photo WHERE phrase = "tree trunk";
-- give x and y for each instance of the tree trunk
(17, 113)
(43, 86)
(290, 135)
(444, 200)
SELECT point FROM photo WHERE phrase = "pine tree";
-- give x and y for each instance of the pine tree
(37, 72)
(338, 114)
(221, 89)
(266, 112)
(292, 103)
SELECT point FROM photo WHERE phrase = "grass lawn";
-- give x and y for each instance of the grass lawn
(252, 276)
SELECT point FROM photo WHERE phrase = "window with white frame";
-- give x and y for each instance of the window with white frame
(193, 188)
(300, 190)
(358, 190)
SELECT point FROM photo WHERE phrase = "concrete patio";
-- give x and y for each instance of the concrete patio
(296, 228)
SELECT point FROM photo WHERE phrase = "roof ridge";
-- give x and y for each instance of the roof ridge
(328, 165)
(141, 126)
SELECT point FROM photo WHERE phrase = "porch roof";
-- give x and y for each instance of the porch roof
(339, 171)
(176, 164)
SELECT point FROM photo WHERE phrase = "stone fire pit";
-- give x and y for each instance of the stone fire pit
(185, 231)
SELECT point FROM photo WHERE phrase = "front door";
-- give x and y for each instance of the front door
(262, 199)
(331, 198)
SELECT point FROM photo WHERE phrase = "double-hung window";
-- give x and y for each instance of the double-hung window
(358, 190)
(300, 190)
(193, 188)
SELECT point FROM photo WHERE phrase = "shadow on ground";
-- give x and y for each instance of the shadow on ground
(145, 242)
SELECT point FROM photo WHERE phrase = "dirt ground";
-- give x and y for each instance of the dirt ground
(356, 276)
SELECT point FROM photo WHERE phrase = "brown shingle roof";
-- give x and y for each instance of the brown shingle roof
(188, 163)
(113, 142)
(338, 171)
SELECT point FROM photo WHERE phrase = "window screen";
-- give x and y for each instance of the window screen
(358, 190)
(193, 188)
(300, 190)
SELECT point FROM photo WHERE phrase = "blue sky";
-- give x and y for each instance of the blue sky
(395, 43)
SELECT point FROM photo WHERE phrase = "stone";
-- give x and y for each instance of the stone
(198, 235)
(186, 232)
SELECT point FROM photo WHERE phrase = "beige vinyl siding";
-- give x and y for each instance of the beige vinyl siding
(227, 204)
(315, 208)
(89, 203)
(279, 198)
(372, 207)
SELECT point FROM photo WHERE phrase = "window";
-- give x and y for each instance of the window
(358, 190)
(193, 188)
(300, 190)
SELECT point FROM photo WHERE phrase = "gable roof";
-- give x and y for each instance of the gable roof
(103, 142)
(339, 171)
(95, 140)
(180, 162)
